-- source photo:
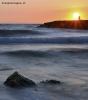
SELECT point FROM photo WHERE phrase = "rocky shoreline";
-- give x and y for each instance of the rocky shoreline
(67, 24)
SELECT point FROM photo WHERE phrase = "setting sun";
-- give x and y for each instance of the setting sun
(76, 15)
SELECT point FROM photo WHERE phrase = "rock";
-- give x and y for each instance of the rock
(17, 80)
(67, 24)
(51, 82)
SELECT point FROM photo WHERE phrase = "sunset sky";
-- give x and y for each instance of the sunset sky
(40, 11)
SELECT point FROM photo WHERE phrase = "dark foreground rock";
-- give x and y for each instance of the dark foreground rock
(17, 80)
(51, 82)
(68, 24)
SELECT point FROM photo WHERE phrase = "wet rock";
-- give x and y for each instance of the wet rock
(50, 82)
(17, 80)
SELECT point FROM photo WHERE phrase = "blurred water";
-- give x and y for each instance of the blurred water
(66, 62)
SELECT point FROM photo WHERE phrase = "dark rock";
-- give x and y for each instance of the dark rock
(67, 24)
(51, 82)
(17, 80)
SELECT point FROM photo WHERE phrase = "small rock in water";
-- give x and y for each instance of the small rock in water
(17, 80)
(51, 82)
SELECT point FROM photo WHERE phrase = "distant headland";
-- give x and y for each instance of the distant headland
(67, 24)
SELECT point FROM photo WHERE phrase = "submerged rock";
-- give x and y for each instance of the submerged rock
(17, 80)
(51, 82)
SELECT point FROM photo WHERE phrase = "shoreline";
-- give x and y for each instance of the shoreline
(67, 24)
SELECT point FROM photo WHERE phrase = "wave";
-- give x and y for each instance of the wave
(5, 33)
(54, 40)
(27, 53)
(47, 53)
(5, 68)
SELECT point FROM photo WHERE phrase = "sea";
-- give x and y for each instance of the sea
(43, 54)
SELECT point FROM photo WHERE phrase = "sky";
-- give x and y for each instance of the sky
(40, 11)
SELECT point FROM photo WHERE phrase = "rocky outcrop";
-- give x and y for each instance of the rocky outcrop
(68, 24)
(51, 82)
(17, 80)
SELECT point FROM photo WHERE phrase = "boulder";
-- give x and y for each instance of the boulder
(50, 82)
(17, 80)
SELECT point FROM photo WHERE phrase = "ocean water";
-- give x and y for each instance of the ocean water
(41, 54)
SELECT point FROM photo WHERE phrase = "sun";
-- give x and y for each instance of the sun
(76, 16)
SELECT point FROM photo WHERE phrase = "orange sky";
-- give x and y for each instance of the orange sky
(40, 11)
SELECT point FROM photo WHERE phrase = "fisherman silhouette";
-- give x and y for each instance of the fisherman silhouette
(79, 17)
